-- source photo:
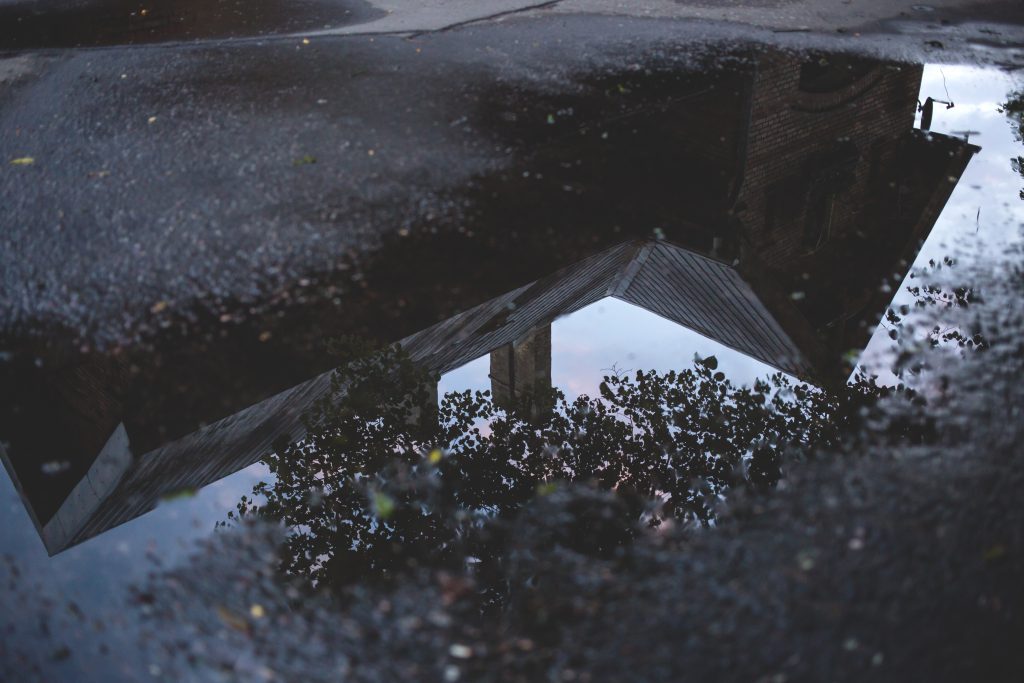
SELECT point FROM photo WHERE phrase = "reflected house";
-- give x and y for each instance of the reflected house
(818, 189)
(838, 191)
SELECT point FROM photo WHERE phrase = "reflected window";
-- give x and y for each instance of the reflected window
(827, 75)
(831, 173)
(820, 215)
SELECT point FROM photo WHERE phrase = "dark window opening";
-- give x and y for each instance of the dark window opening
(820, 214)
(830, 74)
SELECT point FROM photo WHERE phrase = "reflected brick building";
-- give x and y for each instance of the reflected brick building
(812, 157)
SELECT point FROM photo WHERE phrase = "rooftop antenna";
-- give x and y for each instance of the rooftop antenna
(927, 109)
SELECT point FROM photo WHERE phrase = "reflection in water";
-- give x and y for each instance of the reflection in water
(384, 480)
(768, 208)
(1013, 107)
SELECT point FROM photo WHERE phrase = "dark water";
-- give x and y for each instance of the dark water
(758, 211)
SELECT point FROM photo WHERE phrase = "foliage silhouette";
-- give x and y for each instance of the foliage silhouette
(936, 298)
(1014, 110)
(385, 481)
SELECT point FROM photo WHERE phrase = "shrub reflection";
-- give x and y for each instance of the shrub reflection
(387, 480)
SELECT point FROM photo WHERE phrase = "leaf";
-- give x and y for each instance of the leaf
(181, 494)
(303, 160)
(547, 488)
(23, 161)
(383, 505)
(235, 621)
(996, 552)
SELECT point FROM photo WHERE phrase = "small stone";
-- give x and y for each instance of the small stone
(460, 651)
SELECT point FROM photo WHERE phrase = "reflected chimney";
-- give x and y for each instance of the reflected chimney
(522, 371)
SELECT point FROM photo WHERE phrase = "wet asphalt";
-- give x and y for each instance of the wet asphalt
(219, 164)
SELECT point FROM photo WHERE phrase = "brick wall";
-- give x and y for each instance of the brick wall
(790, 131)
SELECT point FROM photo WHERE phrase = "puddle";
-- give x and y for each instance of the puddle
(753, 216)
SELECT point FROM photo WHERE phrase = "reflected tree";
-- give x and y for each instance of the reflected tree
(938, 299)
(1013, 107)
(386, 479)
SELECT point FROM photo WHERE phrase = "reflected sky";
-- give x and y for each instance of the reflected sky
(613, 336)
(984, 214)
